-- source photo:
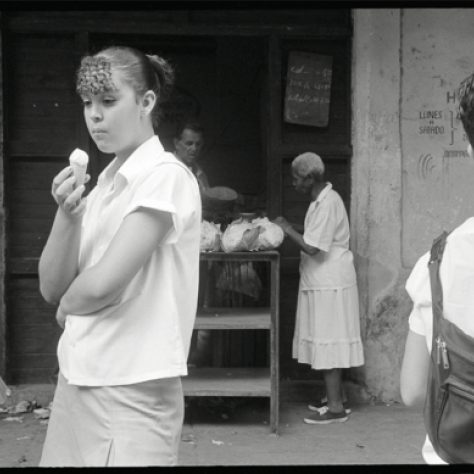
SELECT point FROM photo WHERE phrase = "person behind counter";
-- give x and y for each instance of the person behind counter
(188, 142)
(327, 331)
(123, 266)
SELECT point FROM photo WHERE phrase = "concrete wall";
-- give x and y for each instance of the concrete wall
(2, 232)
(410, 176)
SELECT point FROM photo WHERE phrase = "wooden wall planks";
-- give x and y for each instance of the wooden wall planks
(40, 135)
(40, 108)
(32, 333)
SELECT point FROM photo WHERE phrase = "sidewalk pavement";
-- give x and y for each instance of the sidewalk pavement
(374, 434)
(236, 432)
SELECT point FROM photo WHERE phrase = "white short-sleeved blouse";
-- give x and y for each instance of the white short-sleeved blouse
(145, 334)
(326, 227)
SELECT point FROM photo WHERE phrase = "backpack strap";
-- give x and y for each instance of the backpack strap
(436, 256)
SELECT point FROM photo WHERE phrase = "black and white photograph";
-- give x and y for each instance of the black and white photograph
(236, 234)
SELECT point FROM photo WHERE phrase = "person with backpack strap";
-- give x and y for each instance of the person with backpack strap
(441, 286)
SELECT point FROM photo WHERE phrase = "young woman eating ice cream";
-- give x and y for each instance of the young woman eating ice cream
(123, 268)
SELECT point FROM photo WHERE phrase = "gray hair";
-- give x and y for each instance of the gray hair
(308, 164)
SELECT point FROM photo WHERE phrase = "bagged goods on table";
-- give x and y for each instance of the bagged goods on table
(78, 161)
(260, 234)
(271, 235)
(210, 237)
(240, 236)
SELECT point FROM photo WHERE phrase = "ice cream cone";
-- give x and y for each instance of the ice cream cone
(79, 174)
(78, 161)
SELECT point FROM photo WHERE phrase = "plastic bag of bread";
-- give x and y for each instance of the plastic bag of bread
(210, 237)
(240, 236)
(270, 236)
(239, 277)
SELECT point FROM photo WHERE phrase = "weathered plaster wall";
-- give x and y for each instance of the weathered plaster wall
(405, 187)
(376, 194)
(437, 54)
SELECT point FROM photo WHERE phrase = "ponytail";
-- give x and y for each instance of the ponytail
(165, 76)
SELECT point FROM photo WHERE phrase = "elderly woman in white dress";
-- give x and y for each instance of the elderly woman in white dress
(327, 331)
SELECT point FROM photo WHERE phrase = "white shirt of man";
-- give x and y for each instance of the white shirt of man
(145, 334)
(457, 281)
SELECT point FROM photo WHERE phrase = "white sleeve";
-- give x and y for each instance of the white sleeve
(457, 280)
(169, 188)
(419, 289)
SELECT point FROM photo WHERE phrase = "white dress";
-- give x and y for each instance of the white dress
(327, 332)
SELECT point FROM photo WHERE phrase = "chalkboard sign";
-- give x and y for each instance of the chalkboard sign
(308, 89)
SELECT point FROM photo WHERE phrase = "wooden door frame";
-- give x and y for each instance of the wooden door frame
(273, 138)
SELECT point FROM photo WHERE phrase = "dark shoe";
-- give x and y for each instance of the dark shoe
(324, 403)
(324, 417)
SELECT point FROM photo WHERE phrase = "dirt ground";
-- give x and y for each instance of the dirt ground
(236, 432)
(21, 441)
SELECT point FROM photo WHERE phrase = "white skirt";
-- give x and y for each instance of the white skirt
(327, 331)
(126, 425)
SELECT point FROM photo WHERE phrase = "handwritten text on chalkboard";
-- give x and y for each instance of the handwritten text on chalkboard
(308, 89)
